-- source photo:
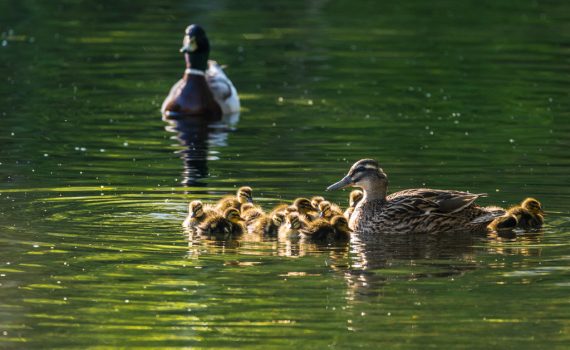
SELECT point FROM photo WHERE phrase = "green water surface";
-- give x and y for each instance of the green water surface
(466, 95)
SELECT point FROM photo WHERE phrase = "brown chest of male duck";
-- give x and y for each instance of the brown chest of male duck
(414, 210)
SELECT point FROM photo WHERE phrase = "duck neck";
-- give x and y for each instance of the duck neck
(374, 189)
(196, 61)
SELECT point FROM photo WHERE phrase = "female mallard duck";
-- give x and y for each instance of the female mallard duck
(243, 195)
(292, 227)
(204, 89)
(527, 215)
(323, 230)
(197, 214)
(222, 226)
(413, 210)
(353, 199)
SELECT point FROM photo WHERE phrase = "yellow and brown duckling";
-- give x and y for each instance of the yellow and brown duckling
(413, 210)
(316, 200)
(230, 224)
(251, 212)
(293, 224)
(527, 215)
(306, 209)
(327, 210)
(267, 224)
(204, 90)
(322, 230)
(244, 195)
(197, 213)
(353, 199)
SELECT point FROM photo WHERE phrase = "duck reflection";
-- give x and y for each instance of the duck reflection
(197, 135)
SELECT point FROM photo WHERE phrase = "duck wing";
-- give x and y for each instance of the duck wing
(427, 201)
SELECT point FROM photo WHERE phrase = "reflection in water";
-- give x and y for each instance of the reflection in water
(196, 135)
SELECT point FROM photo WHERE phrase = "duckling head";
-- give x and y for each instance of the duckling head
(340, 224)
(316, 200)
(325, 209)
(232, 215)
(247, 206)
(293, 221)
(533, 206)
(366, 174)
(277, 219)
(303, 205)
(196, 47)
(244, 195)
(355, 197)
(195, 208)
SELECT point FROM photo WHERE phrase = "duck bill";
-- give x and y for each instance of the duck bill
(345, 182)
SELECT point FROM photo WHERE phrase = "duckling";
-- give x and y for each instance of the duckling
(197, 213)
(250, 213)
(293, 224)
(327, 210)
(306, 209)
(316, 200)
(413, 210)
(222, 226)
(322, 230)
(267, 224)
(243, 195)
(353, 199)
(527, 215)
(204, 89)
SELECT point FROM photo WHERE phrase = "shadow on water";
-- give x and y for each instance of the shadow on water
(196, 135)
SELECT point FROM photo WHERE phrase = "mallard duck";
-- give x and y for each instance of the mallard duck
(267, 224)
(222, 226)
(243, 195)
(327, 210)
(353, 199)
(527, 215)
(413, 210)
(293, 224)
(204, 89)
(323, 230)
(197, 213)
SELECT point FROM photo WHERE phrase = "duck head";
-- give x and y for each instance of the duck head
(232, 215)
(196, 209)
(355, 197)
(245, 195)
(340, 224)
(304, 205)
(196, 47)
(293, 222)
(366, 174)
(533, 206)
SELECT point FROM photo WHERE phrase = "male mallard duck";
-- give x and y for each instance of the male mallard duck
(197, 214)
(267, 224)
(222, 226)
(413, 210)
(243, 195)
(323, 230)
(204, 89)
(327, 210)
(353, 199)
(293, 224)
(527, 215)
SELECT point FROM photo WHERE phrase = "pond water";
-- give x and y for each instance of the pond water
(457, 95)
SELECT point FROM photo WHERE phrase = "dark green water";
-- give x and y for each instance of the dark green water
(462, 95)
